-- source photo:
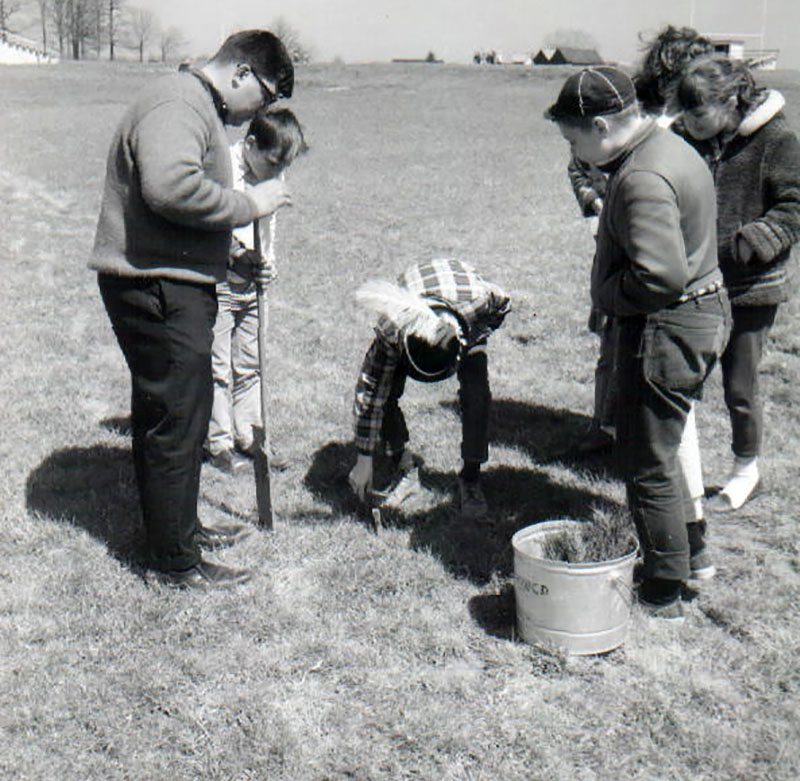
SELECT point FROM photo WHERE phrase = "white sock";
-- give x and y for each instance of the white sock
(741, 481)
(691, 463)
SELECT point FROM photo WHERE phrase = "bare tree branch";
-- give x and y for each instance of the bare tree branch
(172, 40)
(297, 49)
(7, 9)
(143, 28)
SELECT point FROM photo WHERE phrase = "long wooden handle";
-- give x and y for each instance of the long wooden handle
(261, 433)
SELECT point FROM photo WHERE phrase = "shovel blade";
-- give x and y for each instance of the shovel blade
(261, 470)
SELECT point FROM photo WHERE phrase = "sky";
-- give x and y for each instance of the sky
(379, 30)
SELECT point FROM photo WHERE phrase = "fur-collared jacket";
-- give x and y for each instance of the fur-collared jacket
(757, 178)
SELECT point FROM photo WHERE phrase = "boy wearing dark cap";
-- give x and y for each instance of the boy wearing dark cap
(655, 271)
(432, 324)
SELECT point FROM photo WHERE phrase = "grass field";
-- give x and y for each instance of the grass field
(352, 654)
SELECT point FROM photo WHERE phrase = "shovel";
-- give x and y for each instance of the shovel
(261, 445)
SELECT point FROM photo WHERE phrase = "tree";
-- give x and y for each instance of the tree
(113, 8)
(44, 7)
(98, 15)
(170, 42)
(7, 9)
(79, 25)
(143, 27)
(58, 12)
(298, 51)
(576, 39)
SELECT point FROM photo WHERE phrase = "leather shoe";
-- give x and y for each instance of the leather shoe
(217, 537)
(228, 461)
(205, 574)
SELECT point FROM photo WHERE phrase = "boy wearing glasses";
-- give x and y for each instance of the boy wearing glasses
(162, 243)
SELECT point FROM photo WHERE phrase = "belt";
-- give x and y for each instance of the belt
(700, 292)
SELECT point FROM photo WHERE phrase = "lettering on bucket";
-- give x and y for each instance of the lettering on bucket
(537, 589)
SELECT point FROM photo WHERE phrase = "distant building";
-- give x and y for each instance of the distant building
(16, 50)
(514, 59)
(542, 57)
(744, 46)
(430, 58)
(567, 55)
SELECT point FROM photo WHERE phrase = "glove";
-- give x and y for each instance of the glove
(499, 306)
(742, 251)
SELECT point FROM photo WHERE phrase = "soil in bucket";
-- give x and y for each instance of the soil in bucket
(573, 584)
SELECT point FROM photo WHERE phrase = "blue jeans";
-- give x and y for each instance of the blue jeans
(164, 328)
(663, 360)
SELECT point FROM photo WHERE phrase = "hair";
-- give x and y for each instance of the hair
(433, 357)
(278, 130)
(665, 58)
(714, 81)
(264, 53)
(587, 122)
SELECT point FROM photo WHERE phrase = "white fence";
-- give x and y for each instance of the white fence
(16, 50)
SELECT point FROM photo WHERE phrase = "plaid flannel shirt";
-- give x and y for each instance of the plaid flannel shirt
(481, 304)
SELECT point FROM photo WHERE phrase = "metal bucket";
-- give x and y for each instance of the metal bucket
(583, 608)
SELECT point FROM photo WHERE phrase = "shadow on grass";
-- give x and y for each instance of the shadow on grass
(119, 424)
(496, 613)
(517, 498)
(93, 488)
(545, 435)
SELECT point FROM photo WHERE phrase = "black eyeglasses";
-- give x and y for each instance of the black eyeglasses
(269, 95)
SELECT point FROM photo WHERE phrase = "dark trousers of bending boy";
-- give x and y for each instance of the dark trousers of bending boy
(474, 399)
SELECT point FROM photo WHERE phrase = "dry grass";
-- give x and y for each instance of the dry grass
(354, 655)
(608, 535)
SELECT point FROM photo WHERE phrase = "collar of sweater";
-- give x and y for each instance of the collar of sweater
(644, 131)
(761, 114)
(216, 96)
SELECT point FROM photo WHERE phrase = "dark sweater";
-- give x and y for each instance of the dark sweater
(657, 239)
(757, 179)
(168, 208)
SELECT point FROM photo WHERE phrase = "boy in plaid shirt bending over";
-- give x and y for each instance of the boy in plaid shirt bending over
(432, 324)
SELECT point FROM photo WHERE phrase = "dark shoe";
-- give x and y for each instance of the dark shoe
(699, 559)
(661, 598)
(216, 537)
(203, 575)
(227, 461)
(596, 441)
(701, 566)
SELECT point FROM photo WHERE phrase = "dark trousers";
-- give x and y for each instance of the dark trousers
(740, 363)
(474, 399)
(165, 330)
(605, 378)
(663, 360)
